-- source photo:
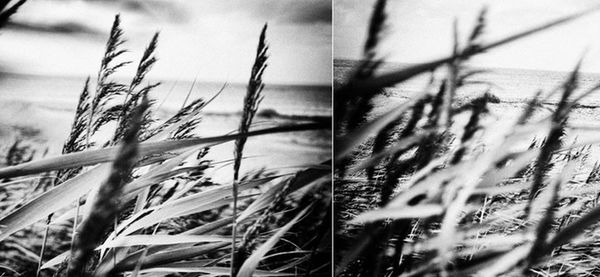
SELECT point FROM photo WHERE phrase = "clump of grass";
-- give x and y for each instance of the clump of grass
(478, 107)
(106, 206)
(133, 96)
(150, 204)
(18, 153)
(448, 206)
(251, 101)
(77, 140)
(351, 112)
(107, 89)
(553, 139)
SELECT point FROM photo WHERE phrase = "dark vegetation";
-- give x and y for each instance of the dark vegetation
(417, 194)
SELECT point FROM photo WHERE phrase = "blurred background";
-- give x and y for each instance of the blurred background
(417, 31)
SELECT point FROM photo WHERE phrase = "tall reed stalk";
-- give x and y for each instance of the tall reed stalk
(251, 101)
(107, 205)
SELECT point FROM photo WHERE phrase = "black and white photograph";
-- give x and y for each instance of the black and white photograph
(165, 138)
(466, 138)
(346, 138)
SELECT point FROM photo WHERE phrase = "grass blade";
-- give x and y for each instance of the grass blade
(419, 211)
(161, 240)
(249, 266)
(344, 146)
(52, 200)
(146, 148)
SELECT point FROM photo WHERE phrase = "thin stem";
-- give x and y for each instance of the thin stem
(234, 189)
(39, 268)
(75, 223)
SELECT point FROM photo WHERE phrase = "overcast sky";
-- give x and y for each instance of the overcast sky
(208, 39)
(421, 30)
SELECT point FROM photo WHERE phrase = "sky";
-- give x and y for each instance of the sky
(212, 40)
(418, 31)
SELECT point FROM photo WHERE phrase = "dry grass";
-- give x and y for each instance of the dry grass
(417, 194)
(141, 201)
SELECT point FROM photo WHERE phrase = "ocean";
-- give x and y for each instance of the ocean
(62, 93)
(514, 87)
(510, 85)
(42, 108)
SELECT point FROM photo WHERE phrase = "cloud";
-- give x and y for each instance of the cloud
(308, 12)
(59, 27)
(281, 11)
(211, 40)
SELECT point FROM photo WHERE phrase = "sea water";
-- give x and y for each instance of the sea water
(514, 88)
(47, 105)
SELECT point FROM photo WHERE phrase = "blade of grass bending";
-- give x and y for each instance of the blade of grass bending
(249, 266)
(173, 212)
(52, 200)
(389, 79)
(161, 240)
(157, 174)
(59, 197)
(141, 197)
(262, 201)
(301, 179)
(56, 260)
(134, 240)
(545, 224)
(495, 177)
(212, 271)
(188, 205)
(134, 257)
(164, 133)
(575, 229)
(92, 157)
(466, 182)
(251, 102)
(162, 257)
(162, 102)
(451, 81)
(425, 181)
(346, 144)
(419, 211)
(106, 263)
(495, 190)
(396, 147)
(189, 93)
(106, 205)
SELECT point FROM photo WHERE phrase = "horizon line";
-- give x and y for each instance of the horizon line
(479, 66)
(166, 79)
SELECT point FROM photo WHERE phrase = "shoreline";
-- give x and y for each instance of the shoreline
(46, 129)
